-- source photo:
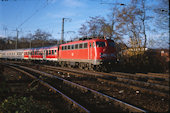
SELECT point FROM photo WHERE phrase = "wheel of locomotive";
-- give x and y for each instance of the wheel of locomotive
(98, 68)
(86, 66)
(62, 64)
(80, 65)
(69, 65)
(90, 67)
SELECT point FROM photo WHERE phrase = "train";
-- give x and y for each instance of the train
(92, 54)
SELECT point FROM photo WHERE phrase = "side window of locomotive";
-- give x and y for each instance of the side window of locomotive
(72, 46)
(100, 44)
(85, 45)
(68, 46)
(65, 47)
(80, 46)
(76, 46)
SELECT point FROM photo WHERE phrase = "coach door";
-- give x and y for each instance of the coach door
(29, 54)
(44, 54)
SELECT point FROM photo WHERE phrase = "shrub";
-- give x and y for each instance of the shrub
(16, 104)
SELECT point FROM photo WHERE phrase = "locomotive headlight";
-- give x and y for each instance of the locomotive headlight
(101, 55)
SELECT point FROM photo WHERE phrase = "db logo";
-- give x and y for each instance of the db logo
(72, 54)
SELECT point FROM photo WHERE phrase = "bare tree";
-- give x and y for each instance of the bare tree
(96, 26)
(83, 30)
(129, 25)
(40, 38)
(162, 14)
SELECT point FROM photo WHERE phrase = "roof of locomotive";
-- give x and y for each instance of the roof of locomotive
(83, 41)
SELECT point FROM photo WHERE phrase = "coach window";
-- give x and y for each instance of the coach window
(49, 52)
(52, 52)
(55, 51)
(85, 45)
(90, 44)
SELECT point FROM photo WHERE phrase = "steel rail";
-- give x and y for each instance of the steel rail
(71, 101)
(142, 76)
(120, 79)
(123, 84)
(117, 102)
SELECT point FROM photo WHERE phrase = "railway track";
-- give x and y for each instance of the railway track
(147, 98)
(117, 78)
(92, 100)
(124, 91)
(151, 79)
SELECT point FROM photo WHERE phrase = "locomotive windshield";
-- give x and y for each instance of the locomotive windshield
(111, 44)
(100, 44)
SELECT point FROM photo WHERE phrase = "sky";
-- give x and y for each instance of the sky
(29, 15)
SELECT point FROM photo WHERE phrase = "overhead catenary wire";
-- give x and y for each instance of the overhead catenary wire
(36, 11)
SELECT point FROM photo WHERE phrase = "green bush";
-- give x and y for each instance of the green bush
(22, 105)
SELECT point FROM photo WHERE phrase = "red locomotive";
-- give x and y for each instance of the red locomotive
(94, 53)
(85, 54)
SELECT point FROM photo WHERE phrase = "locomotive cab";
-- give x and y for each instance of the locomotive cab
(105, 50)
(105, 53)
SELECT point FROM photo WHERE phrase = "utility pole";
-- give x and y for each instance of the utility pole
(5, 29)
(62, 29)
(16, 45)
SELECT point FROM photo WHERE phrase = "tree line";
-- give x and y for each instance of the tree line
(38, 39)
(133, 22)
